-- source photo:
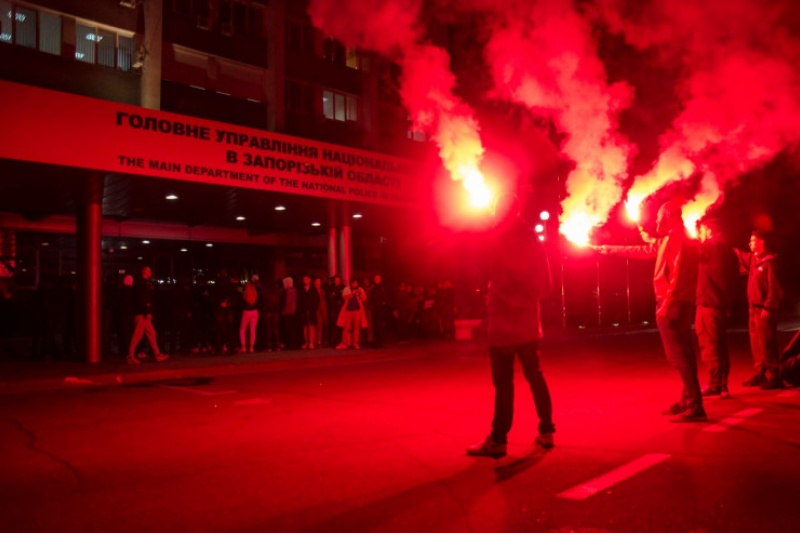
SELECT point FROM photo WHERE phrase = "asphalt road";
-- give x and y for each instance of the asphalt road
(380, 447)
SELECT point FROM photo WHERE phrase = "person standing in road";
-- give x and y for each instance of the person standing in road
(519, 278)
(322, 314)
(675, 286)
(143, 318)
(764, 295)
(715, 278)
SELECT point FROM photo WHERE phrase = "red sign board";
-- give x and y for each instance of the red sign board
(56, 128)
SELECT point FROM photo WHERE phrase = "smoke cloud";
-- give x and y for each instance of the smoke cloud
(739, 90)
(427, 85)
(543, 56)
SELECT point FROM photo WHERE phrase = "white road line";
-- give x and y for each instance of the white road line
(787, 394)
(737, 418)
(601, 483)
(198, 392)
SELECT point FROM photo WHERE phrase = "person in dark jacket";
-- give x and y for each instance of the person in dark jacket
(520, 277)
(143, 317)
(334, 301)
(307, 308)
(715, 277)
(764, 295)
(269, 314)
(675, 286)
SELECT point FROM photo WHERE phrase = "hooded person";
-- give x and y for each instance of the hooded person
(764, 295)
(675, 287)
(288, 312)
(519, 278)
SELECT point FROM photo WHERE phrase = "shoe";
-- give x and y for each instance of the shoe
(724, 394)
(674, 409)
(771, 384)
(141, 355)
(310, 346)
(488, 448)
(356, 347)
(689, 416)
(160, 358)
(341, 346)
(250, 350)
(133, 361)
(304, 347)
(711, 391)
(545, 440)
(754, 381)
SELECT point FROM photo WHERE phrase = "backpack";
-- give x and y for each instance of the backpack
(250, 294)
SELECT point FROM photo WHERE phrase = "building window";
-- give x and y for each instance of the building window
(17, 25)
(300, 97)
(341, 107)
(49, 33)
(335, 52)
(233, 17)
(416, 135)
(299, 36)
(94, 45)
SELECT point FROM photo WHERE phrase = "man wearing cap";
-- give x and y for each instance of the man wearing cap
(764, 295)
(675, 285)
(715, 278)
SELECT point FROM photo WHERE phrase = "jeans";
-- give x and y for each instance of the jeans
(676, 336)
(764, 343)
(249, 321)
(710, 325)
(143, 326)
(503, 379)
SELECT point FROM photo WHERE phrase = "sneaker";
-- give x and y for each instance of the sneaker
(356, 347)
(689, 416)
(674, 409)
(251, 350)
(545, 440)
(724, 394)
(712, 391)
(754, 381)
(133, 360)
(141, 355)
(771, 384)
(160, 358)
(310, 346)
(488, 448)
(341, 346)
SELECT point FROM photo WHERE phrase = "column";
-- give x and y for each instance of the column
(345, 254)
(333, 253)
(151, 49)
(275, 80)
(91, 274)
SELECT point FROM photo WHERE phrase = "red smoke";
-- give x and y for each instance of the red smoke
(739, 91)
(391, 28)
(738, 86)
(543, 56)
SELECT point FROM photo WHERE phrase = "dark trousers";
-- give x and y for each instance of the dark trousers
(676, 336)
(710, 324)
(503, 379)
(764, 343)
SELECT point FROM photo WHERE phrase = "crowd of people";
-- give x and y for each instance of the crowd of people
(225, 315)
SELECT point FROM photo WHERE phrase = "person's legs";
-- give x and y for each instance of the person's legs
(253, 327)
(502, 359)
(707, 327)
(150, 332)
(756, 340)
(357, 326)
(347, 329)
(676, 336)
(243, 324)
(529, 357)
(768, 327)
(138, 332)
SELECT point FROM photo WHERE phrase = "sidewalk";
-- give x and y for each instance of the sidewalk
(23, 375)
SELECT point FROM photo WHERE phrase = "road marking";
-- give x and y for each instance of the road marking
(737, 418)
(601, 483)
(198, 392)
(253, 401)
(787, 394)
